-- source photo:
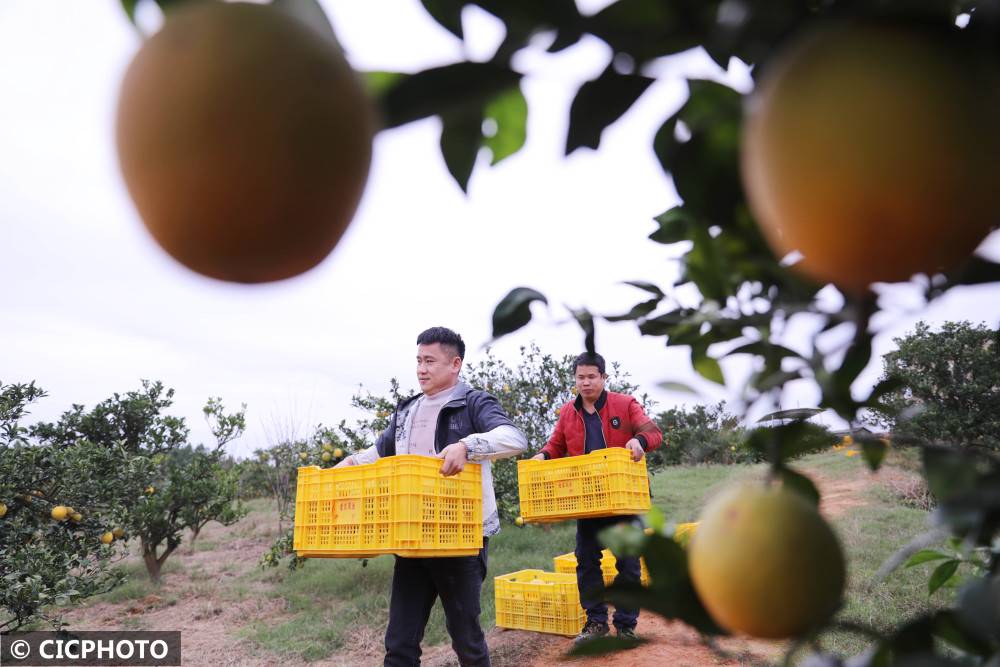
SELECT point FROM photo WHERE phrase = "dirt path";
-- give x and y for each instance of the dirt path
(190, 600)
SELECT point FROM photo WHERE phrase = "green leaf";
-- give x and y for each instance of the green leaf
(977, 271)
(446, 89)
(925, 556)
(679, 387)
(649, 287)
(656, 519)
(855, 359)
(378, 82)
(514, 311)
(978, 609)
(942, 573)
(705, 166)
(647, 29)
(788, 441)
(599, 103)
(874, 451)
(129, 7)
(586, 322)
(448, 14)
(461, 136)
(952, 627)
(638, 311)
(509, 111)
(674, 226)
(800, 484)
(705, 365)
(948, 472)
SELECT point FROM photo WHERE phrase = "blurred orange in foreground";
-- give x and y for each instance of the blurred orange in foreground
(245, 139)
(871, 149)
(765, 563)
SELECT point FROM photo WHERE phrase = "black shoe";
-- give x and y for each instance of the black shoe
(628, 634)
(592, 630)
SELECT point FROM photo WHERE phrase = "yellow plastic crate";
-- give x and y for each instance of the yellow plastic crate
(539, 601)
(398, 505)
(609, 568)
(603, 483)
(683, 533)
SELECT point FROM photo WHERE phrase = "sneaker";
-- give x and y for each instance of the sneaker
(592, 630)
(628, 634)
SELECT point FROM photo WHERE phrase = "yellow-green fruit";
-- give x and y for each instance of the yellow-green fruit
(326, 456)
(871, 149)
(76, 517)
(3, 510)
(150, 490)
(60, 512)
(519, 521)
(327, 447)
(107, 538)
(765, 563)
(303, 456)
(244, 138)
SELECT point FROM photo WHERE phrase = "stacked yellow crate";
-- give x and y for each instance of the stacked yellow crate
(539, 601)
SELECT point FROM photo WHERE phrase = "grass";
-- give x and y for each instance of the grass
(138, 584)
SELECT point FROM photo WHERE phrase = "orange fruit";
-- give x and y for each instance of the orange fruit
(244, 139)
(871, 149)
(765, 563)
(3, 510)
(107, 538)
(338, 453)
(60, 512)
(118, 533)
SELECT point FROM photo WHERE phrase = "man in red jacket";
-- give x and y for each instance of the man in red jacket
(597, 419)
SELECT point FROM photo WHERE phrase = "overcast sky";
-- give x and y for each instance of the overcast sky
(91, 305)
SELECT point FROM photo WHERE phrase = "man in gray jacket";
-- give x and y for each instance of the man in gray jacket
(456, 423)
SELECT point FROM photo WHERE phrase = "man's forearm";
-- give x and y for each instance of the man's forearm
(366, 455)
(500, 443)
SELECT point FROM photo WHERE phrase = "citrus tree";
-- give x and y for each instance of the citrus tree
(182, 486)
(62, 506)
(949, 385)
(189, 489)
(865, 153)
(701, 434)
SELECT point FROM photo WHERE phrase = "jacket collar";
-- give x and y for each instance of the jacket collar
(460, 391)
(598, 405)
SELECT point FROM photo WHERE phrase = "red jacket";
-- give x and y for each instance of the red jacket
(622, 419)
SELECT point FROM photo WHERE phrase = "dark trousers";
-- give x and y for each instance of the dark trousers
(589, 579)
(416, 584)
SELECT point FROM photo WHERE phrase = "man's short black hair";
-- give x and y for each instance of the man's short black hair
(446, 337)
(589, 359)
